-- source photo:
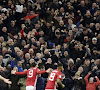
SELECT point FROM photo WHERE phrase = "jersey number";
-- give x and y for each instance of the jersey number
(52, 75)
(30, 74)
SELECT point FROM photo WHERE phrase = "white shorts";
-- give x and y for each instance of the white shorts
(50, 89)
(30, 88)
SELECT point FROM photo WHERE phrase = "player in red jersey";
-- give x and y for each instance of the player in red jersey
(54, 78)
(31, 76)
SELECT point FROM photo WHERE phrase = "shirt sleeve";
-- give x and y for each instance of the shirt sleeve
(21, 73)
(86, 78)
(40, 72)
(98, 82)
(59, 76)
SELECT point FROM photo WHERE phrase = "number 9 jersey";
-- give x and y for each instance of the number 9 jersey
(52, 79)
(31, 75)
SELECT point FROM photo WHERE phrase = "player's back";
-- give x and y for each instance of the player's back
(32, 76)
(54, 75)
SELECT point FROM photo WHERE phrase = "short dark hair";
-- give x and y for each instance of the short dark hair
(84, 29)
(59, 65)
(33, 64)
(40, 66)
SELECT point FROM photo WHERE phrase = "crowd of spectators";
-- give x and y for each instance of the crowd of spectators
(48, 32)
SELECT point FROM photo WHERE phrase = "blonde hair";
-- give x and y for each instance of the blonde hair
(77, 73)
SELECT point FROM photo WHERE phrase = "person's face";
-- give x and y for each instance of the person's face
(80, 69)
(94, 5)
(19, 53)
(88, 13)
(38, 43)
(70, 32)
(23, 43)
(97, 25)
(61, 68)
(97, 61)
(27, 56)
(91, 80)
(41, 33)
(1, 39)
(37, 26)
(49, 61)
(61, 23)
(29, 4)
(68, 4)
(22, 1)
(48, 24)
(41, 40)
(82, 3)
(23, 26)
(75, 29)
(94, 41)
(4, 50)
(62, 10)
(32, 13)
(9, 2)
(2, 15)
(76, 46)
(24, 9)
(31, 61)
(86, 38)
(12, 23)
(65, 46)
(4, 29)
(85, 32)
(52, 10)
(31, 51)
(10, 42)
(95, 51)
(65, 53)
(0, 8)
(19, 64)
(87, 62)
(15, 41)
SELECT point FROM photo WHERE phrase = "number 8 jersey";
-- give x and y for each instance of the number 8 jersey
(31, 75)
(54, 75)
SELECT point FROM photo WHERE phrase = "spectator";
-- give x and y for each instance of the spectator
(91, 84)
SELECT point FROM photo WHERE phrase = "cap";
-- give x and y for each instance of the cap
(94, 38)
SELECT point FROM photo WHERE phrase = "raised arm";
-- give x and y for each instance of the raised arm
(98, 81)
(45, 71)
(86, 78)
(41, 72)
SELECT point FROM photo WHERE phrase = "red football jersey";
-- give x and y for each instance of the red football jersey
(31, 75)
(54, 75)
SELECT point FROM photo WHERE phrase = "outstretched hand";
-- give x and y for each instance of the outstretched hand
(49, 70)
(13, 72)
(96, 77)
(7, 81)
(63, 86)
